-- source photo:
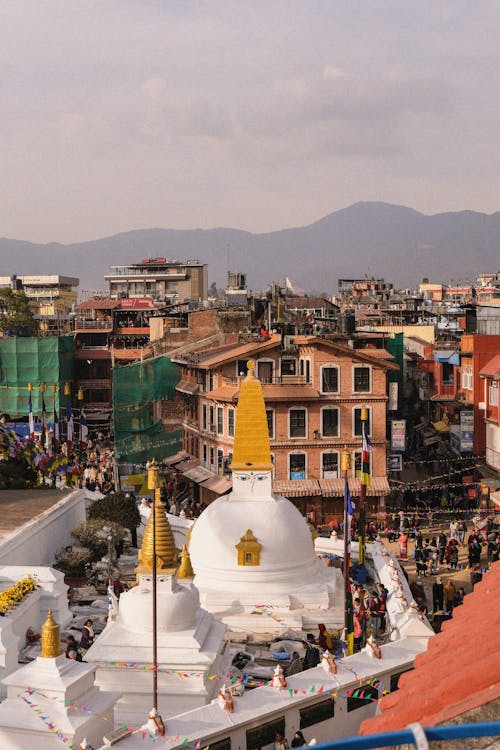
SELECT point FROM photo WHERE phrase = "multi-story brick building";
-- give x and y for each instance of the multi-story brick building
(314, 391)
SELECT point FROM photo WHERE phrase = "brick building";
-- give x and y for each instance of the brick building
(314, 390)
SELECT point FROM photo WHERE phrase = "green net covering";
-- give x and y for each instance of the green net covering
(23, 360)
(137, 389)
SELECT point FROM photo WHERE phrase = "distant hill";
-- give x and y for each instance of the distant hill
(377, 239)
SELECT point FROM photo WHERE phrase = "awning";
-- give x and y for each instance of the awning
(186, 386)
(188, 463)
(219, 485)
(177, 458)
(296, 487)
(335, 487)
(198, 474)
(450, 356)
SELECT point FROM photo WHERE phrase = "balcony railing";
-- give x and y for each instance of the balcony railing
(92, 384)
(274, 380)
(92, 325)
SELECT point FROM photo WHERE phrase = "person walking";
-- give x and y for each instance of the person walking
(449, 591)
(438, 595)
(442, 544)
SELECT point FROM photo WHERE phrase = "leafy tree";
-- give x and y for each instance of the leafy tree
(16, 315)
(94, 535)
(116, 507)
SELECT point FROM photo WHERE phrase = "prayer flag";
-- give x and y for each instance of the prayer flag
(31, 418)
(365, 459)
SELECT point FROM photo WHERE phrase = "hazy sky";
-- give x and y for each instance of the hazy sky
(255, 114)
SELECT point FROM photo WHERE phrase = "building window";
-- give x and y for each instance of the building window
(297, 419)
(230, 422)
(270, 422)
(362, 379)
(297, 465)
(493, 395)
(220, 420)
(447, 373)
(357, 428)
(330, 422)
(316, 713)
(212, 419)
(265, 371)
(370, 694)
(305, 369)
(212, 458)
(220, 461)
(205, 455)
(329, 379)
(241, 367)
(224, 744)
(202, 380)
(204, 416)
(288, 366)
(265, 734)
(330, 465)
(211, 380)
(467, 380)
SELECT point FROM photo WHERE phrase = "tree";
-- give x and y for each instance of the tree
(120, 508)
(16, 315)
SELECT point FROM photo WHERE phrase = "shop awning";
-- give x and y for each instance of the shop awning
(199, 474)
(296, 487)
(177, 458)
(335, 487)
(186, 464)
(219, 485)
(186, 386)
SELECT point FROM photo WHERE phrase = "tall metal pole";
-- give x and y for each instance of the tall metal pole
(362, 495)
(154, 484)
(348, 616)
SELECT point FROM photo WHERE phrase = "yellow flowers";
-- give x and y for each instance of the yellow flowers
(16, 593)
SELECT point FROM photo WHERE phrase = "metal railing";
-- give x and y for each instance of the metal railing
(409, 736)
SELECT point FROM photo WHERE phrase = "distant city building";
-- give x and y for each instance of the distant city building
(163, 280)
(52, 298)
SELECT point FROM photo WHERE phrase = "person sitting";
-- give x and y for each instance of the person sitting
(298, 739)
(31, 636)
(87, 638)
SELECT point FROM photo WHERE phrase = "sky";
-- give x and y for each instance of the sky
(252, 114)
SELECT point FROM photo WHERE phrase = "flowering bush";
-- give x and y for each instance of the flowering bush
(73, 561)
(16, 593)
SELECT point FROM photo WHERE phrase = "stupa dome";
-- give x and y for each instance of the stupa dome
(176, 606)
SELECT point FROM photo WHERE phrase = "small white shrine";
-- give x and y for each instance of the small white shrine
(53, 701)
(190, 642)
(252, 551)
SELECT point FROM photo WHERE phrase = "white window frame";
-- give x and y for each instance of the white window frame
(370, 421)
(366, 367)
(297, 453)
(327, 452)
(467, 379)
(330, 408)
(231, 410)
(219, 422)
(301, 437)
(302, 368)
(492, 394)
(329, 367)
(265, 361)
(273, 421)
(290, 359)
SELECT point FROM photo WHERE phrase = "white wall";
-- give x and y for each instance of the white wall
(37, 542)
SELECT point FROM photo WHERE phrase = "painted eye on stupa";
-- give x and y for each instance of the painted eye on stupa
(243, 479)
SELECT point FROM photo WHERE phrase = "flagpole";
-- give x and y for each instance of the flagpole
(348, 615)
(362, 491)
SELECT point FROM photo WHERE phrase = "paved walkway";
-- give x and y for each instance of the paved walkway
(18, 507)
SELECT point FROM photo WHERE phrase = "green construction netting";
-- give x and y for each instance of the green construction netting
(32, 360)
(136, 417)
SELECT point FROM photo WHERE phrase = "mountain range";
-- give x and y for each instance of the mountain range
(368, 238)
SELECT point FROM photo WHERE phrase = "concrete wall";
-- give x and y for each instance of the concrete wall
(37, 542)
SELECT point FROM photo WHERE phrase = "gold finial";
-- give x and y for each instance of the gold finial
(251, 442)
(345, 461)
(166, 554)
(51, 637)
(185, 569)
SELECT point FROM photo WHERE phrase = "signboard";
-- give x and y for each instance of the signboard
(466, 431)
(398, 434)
(395, 462)
(393, 397)
(137, 303)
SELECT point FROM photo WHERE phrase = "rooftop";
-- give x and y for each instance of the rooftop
(19, 507)
(458, 672)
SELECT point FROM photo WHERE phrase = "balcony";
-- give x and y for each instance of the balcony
(275, 380)
(131, 354)
(96, 326)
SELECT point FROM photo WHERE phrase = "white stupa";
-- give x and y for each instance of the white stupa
(252, 551)
(190, 641)
(53, 701)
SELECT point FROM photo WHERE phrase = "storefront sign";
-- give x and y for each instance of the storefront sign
(398, 434)
(466, 431)
(395, 462)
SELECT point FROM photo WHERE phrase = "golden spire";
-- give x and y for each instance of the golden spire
(185, 569)
(251, 441)
(166, 554)
(51, 637)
